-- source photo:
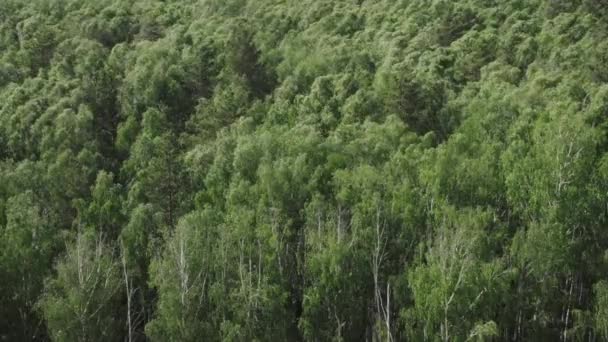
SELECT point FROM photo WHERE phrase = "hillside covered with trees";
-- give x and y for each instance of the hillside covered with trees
(282, 170)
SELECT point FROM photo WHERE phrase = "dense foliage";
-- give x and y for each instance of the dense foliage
(281, 170)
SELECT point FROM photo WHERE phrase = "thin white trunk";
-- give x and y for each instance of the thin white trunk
(129, 295)
(388, 312)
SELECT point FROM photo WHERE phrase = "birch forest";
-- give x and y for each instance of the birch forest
(303, 170)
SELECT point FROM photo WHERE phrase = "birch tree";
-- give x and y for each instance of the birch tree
(81, 303)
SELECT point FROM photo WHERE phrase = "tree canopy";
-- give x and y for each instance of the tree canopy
(263, 170)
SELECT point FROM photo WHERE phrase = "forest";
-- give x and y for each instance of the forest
(282, 170)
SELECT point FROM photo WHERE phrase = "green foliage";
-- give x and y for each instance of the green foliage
(601, 324)
(303, 170)
(28, 244)
(81, 300)
(456, 280)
